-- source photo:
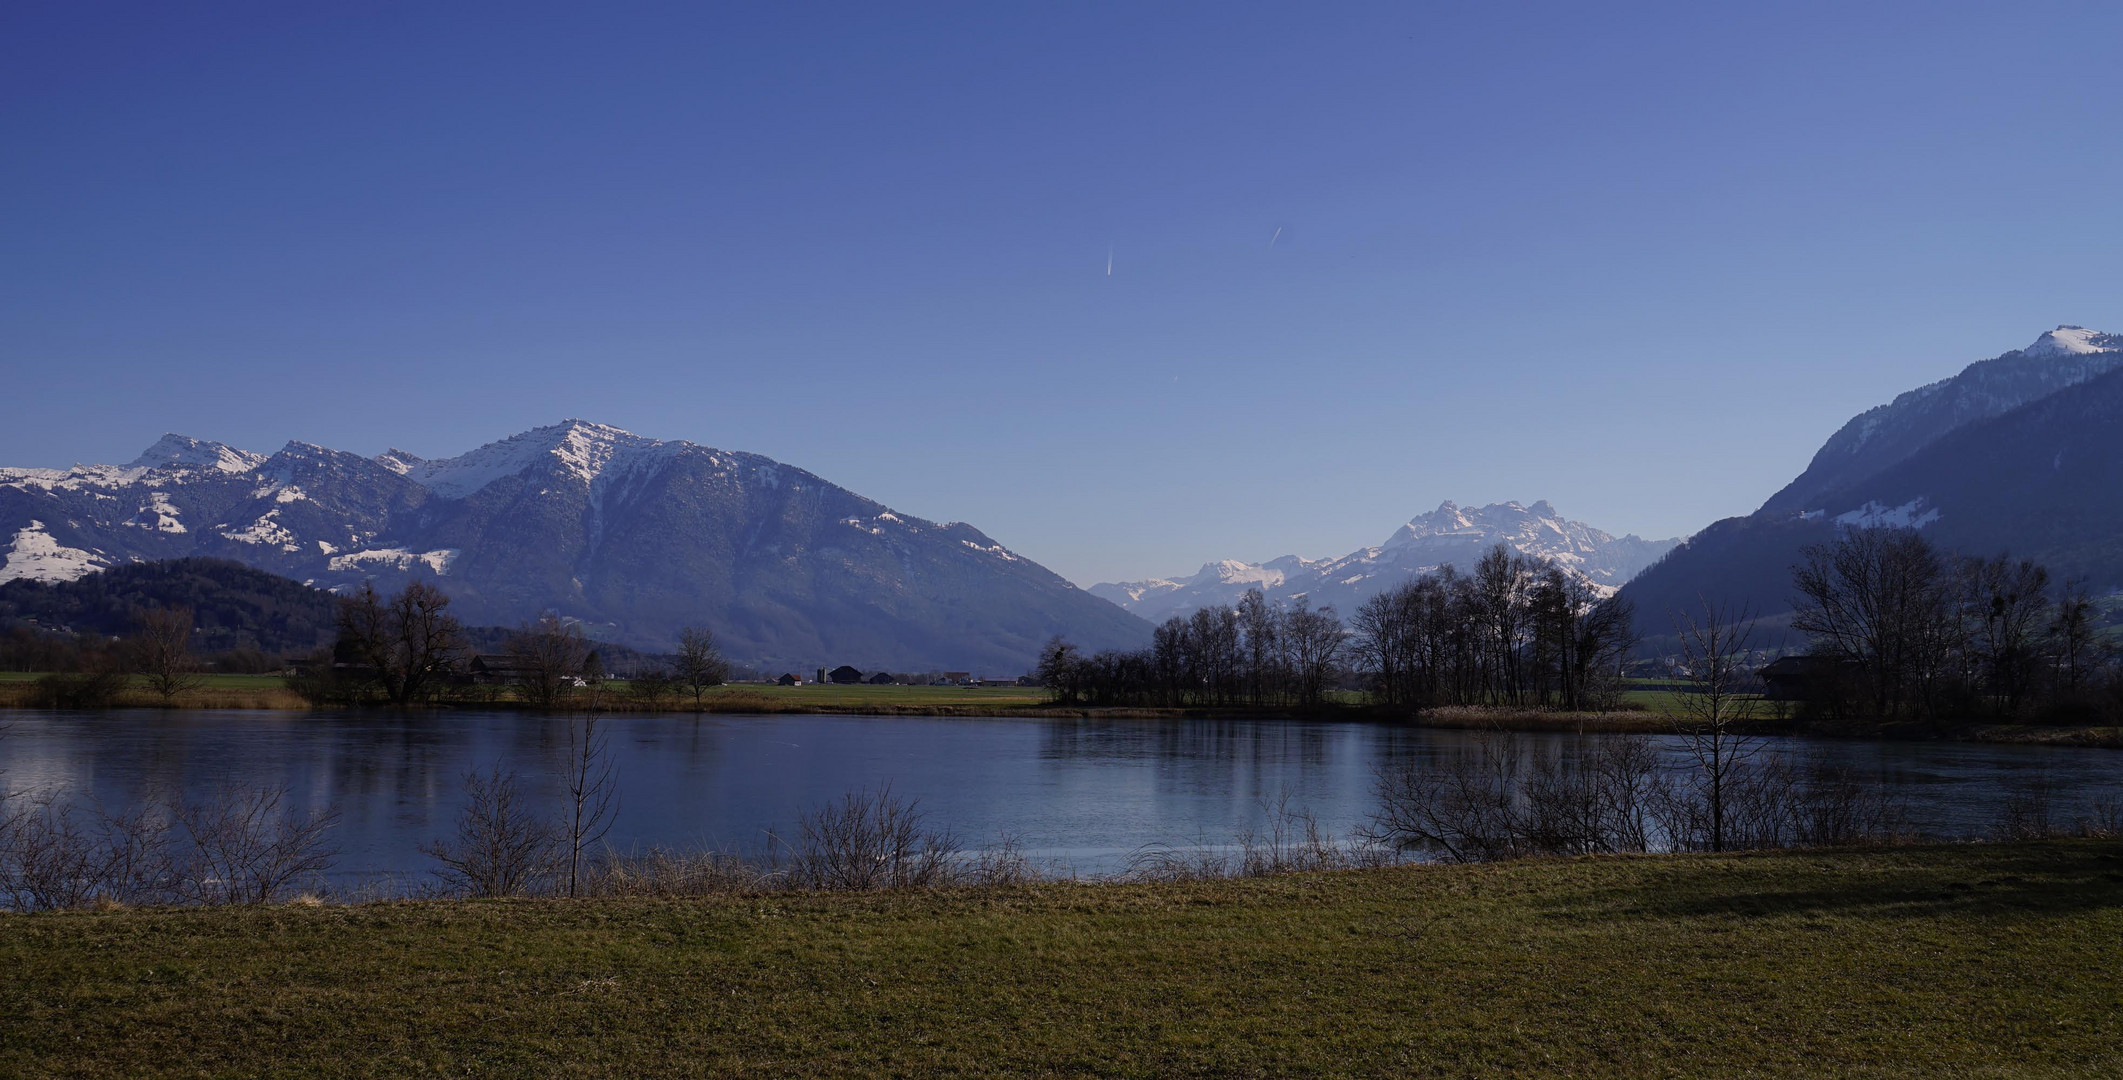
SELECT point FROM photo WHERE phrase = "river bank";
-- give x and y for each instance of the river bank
(1993, 960)
(1651, 717)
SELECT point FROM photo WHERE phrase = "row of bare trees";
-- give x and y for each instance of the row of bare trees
(1516, 631)
(1507, 797)
(1255, 654)
(235, 846)
(1906, 629)
(88, 671)
(408, 648)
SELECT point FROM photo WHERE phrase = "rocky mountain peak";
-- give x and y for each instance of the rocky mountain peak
(576, 448)
(399, 461)
(1450, 535)
(2068, 340)
(184, 452)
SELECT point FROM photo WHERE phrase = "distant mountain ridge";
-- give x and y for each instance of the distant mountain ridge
(1879, 437)
(1449, 534)
(2019, 453)
(633, 536)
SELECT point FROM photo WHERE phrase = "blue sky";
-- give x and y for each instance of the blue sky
(1364, 258)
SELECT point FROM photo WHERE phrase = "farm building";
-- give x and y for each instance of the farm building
(844, 675)
(882, 678)
(789, 680)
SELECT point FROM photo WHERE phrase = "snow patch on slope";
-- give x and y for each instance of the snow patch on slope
(440, 560)
(996, 550)
(38, 557)
(158, 514)
(266, 531)
(1910, 515)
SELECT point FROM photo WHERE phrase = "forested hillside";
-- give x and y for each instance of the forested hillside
(233, 606)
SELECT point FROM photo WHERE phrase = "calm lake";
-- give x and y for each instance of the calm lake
(1080, 795)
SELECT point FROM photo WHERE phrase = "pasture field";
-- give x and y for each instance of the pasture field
(1966, 961)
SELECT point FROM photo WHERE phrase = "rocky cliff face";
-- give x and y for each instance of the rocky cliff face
(635, 537)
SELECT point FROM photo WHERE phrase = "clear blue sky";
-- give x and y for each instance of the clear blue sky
(1637, 263)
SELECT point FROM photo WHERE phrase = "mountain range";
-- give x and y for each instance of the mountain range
(1449, 535)
(2021, 453)
(632, 537)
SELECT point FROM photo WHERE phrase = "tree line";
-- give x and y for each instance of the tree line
(1516, 631)
(1255, 654)
(407, 649)
(1898, 627)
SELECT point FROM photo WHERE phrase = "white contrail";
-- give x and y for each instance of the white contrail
(1278, 236)
(1109, 260)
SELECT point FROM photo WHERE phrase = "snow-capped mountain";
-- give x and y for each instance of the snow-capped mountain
(1881, 436)
(2020, 453)
(1449, 534)
(633, 536)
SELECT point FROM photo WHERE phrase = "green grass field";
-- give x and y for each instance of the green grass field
(218, 682)
(1966, 961)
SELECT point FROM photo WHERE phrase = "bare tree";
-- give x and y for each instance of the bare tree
(1258, 625)
(410, 641)
(1580, 640)
(699, 664)
(869, 841)
(1462, 807)
(250, 845)
(162, 650)
(1718, 701)
(1880, 599)
(1315, 640)
(552, 651)
(2073, 638)
(1060, 670)
(2008, 610)
(503, 847)
(593, 799)
(1381, 643)
(49, 859)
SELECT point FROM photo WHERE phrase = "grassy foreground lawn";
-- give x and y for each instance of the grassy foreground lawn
(1947, 961)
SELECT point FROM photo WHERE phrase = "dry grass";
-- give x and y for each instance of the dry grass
(260, 692)
(1490, 718)
(1976, 961)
